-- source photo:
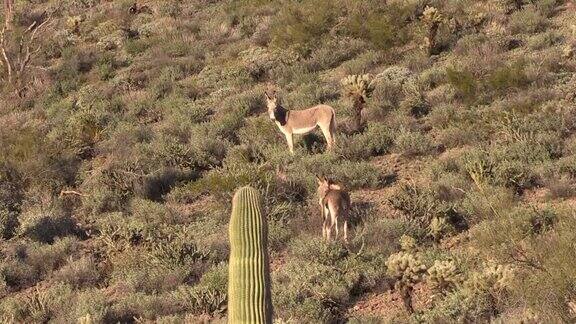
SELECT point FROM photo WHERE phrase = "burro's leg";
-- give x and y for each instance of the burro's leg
(327, 135)
(290, 140)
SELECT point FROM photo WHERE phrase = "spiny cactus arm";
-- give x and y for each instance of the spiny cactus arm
(358, 85)
(249, 295)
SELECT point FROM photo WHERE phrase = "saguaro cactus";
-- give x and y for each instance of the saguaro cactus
(249, 296)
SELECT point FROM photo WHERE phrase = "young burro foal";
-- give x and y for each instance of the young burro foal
(304, 121)
(335, 205)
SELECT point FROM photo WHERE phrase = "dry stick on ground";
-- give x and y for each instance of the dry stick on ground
(72, 192)
(16, 66)
(8, 14)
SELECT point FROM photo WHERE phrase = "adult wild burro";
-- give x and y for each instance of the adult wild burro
(304, 121)
(249, 296)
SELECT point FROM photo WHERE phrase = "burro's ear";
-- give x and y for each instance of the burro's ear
(319, 179)
(267, 96)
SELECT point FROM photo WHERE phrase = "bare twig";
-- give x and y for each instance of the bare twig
(16, 66)
(72, 192)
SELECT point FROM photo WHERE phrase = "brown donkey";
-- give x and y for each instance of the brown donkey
(304, 121)
(335, 205)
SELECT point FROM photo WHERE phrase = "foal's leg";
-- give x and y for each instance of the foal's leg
(345, 231)
(326, 231)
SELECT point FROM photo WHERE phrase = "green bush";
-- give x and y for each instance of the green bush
(412, 143)
(299, 25)
(507, 77)
(464, 82)
(527, 20)
(376, 140)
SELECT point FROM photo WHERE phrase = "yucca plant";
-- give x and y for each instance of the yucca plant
(359, 88)
(249, 296)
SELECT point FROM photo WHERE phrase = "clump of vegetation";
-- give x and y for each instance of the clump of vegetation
(443, 276)
(432, 19)
(407, 270)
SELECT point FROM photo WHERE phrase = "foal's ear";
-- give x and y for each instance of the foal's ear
(267, 96)
(319, 180)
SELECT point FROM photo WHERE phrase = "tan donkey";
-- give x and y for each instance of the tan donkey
(304, 121)
(335, 205)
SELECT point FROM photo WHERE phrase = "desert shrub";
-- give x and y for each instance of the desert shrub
(418, 203)
(206, 297)
(27, 264)
(106, 65)
(412, 143)
(79, 273)
(135, 47)
(353, 174)
(152, 212)
(298, 25)
(507, 77)
(549, 294)
(464, 82)
(39, 305)
(332, 53)
(178, 110)
(11, 196)
(383, 25)
(258, 133)
(90, 302)
(306, 298)
(376, 140)
(46, 226)
(165, 81)
(527, 20)
(142, 306)
(544, 40)
(307, 248)
(223, 181)
(514, 164)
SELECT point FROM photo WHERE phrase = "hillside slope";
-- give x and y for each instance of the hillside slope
(126, 132)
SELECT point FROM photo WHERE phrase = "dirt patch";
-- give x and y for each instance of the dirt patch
(389, 304)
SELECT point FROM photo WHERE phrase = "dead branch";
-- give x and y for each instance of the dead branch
(72, 192)
(16, 66)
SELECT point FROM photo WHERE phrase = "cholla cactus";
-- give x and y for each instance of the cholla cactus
(407, 243)
(572, 308)
(432, 18)
(438, 227)
(358, 85)
(443, 275)
(408, 270)
(85, 319)
(359, 88)
(73, 23)
(494, 278)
